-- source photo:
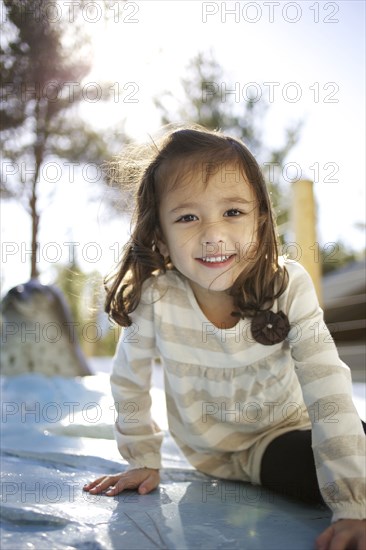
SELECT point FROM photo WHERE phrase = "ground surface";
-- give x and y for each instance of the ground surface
(57, 435)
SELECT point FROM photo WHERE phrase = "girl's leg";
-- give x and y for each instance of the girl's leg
(288, 466)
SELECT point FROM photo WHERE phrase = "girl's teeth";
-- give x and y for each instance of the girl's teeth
(216, 259)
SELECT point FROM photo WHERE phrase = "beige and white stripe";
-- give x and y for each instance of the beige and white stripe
(228, 396)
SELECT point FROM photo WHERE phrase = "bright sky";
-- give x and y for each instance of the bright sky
(310, 55)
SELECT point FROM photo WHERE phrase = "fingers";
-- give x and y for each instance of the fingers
(93, 484)
(342, 541)
(144, 479)
(323, 540)
(149, 484)
(125, 481)
(343, 534)
(101, 484)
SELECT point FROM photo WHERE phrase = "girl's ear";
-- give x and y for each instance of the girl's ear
(162, 247)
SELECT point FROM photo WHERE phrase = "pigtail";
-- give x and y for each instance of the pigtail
(141, 257)
(262, 280)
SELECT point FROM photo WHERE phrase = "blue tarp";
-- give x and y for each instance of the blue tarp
(57, 435)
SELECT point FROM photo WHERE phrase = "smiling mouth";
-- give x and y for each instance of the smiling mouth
(215, 260)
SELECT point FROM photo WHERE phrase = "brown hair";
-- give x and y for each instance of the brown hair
(261, 281)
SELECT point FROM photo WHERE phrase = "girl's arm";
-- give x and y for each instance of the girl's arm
(138, 437)
(337, 436)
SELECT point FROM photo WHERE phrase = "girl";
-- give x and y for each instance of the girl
(251, 394)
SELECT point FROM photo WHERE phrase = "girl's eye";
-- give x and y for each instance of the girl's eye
(233, 212)
(187, 218)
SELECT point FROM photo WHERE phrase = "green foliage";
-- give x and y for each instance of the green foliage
(71, 280)
(203, 106)
(107, 345)
(85, 296)
(336, 255)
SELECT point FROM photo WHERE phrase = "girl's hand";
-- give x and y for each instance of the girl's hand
(142, 479)
(345, 534)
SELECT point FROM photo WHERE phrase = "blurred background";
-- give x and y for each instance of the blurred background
(81, 79)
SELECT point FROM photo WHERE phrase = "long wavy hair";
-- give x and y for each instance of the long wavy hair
(152, 170)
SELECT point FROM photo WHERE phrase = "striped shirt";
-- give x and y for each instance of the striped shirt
(228, 396)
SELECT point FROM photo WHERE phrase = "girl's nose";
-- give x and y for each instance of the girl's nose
(212, 239)
(212, 233)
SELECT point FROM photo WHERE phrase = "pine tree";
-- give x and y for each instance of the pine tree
(42, 64)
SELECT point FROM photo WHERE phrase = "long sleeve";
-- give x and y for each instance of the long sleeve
(338, 439)
(138, 436)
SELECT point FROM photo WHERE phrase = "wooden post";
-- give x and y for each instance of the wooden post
(304, 226)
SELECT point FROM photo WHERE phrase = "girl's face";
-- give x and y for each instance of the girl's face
(209, 231)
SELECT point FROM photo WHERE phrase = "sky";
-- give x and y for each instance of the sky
(304, 59)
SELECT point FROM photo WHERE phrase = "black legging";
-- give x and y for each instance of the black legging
(288, 466)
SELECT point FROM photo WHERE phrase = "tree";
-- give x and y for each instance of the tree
(335, 255)
(205, 102)
(42, 67)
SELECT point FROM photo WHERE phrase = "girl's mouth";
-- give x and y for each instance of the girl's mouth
(215, 261)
